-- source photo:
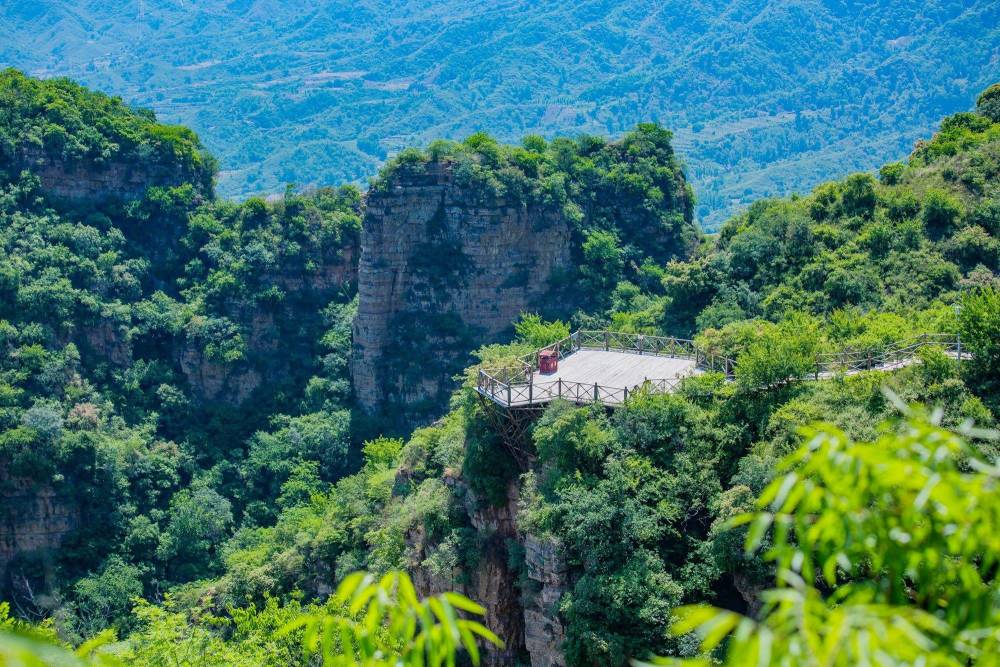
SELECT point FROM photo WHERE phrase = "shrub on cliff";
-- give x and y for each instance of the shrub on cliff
(885, 553)
(64, 120)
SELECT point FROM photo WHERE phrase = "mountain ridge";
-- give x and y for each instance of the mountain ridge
(322, 94)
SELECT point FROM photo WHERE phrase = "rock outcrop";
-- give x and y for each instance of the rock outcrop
(518, 578)
(443, 269)
(267, 331)
(34, 519)
(84, 181)
(543, 628)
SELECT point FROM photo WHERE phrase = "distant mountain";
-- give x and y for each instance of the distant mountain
(765, 96)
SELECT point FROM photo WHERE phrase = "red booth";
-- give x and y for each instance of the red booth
(548, 361)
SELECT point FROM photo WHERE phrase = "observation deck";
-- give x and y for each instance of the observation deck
(599, 367)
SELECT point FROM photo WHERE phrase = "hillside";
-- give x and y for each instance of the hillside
(180, 423)
(766, 97)
(581, 557)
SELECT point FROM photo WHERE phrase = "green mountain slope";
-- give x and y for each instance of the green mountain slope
(766, 97)
(176, 417)
(619, 516)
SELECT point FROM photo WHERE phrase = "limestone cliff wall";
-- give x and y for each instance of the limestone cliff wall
(33, 519)
(443, 269)
(215, 381)
(78, 181)
(521, 600)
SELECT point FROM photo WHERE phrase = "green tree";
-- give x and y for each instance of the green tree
(779, 354)
(384, 623)
(199, 518)
(885, 554)
(892, 173)
(858, 195)
(988, 103)
(979, 325)
(106, 597)
(603, 261)
(535, 332)
(941, 212)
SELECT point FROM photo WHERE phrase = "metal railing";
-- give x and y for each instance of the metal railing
(538, 393)
(887, 357)
(516, 385)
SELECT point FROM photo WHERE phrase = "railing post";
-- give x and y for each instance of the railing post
(958, 338)
(640, 344)
(596, 394)
(559, 394)
(626, 394)
(607, 340)
(531, 392)
(508, 394)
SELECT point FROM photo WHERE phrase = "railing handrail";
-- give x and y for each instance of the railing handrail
(587, 339)
(518, 379)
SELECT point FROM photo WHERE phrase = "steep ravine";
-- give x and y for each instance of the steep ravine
(519, 578)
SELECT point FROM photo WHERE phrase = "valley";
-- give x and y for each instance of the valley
(214, 412)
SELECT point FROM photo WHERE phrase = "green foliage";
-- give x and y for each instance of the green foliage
(24, 644)
(116, 320)
(940, 213)
(979, 324)
(625, 202)
(278, 120)
(892, 173)
(988, 103)
(386, 624)
(898, 532)
(603, 261)
(106, 597)
(66, 121)
(218, 470)
(858, 195)
(627, 499)
(785, 352)
(199, 519)
(536, 333)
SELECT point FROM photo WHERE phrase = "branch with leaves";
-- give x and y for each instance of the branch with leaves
(886, 554)
(383, 623)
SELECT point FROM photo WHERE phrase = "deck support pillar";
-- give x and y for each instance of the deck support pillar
(512, 425)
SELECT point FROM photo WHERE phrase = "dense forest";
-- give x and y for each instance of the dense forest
(175, 387)
(767, 97)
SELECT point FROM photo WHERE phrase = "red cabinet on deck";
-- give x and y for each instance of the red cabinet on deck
(548, 361)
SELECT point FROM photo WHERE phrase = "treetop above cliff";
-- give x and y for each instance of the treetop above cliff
(65, 121)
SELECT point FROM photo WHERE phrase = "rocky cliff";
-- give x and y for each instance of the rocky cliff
(79, 181)
(268, 331)
(34, 519)
(519, 578)
(443, 270)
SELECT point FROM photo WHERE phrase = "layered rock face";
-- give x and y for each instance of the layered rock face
(88, 182)
(522, 603)
(33, 519)
(214, 381)
(443, 270)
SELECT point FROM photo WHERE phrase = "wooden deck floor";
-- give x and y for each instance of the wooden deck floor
(616, 369)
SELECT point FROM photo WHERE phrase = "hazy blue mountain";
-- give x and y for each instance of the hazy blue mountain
(765, 96)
